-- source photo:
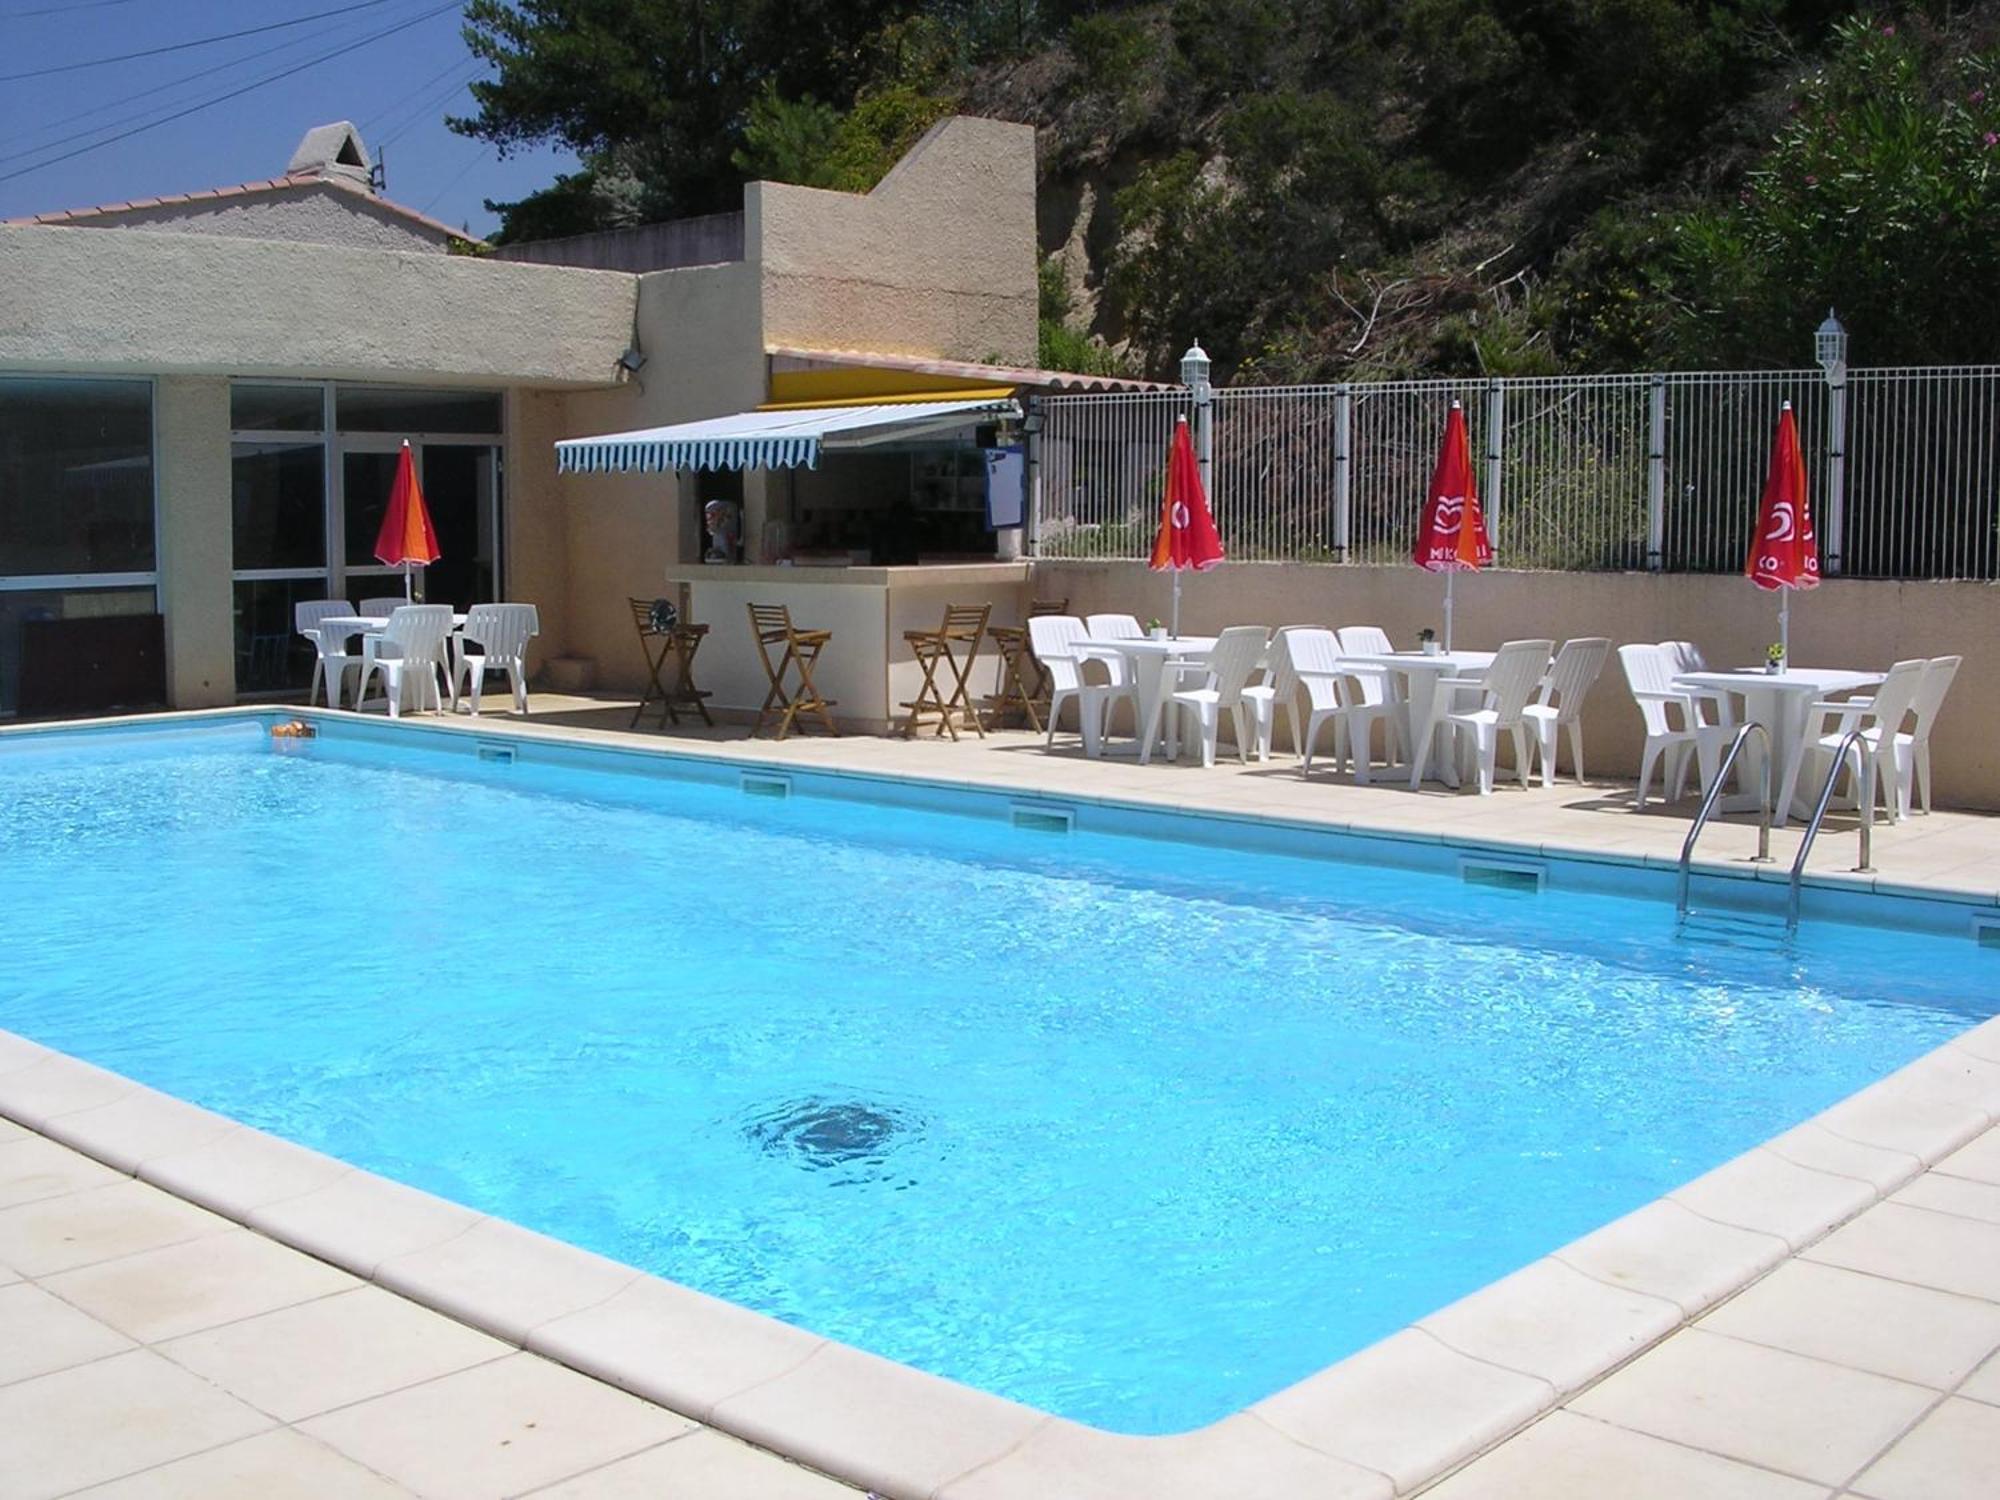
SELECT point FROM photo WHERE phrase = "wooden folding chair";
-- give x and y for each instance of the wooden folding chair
(963, 624)
(662, 642)
(1011, 641)
(772, 624)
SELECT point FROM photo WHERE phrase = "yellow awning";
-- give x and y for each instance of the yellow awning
(866, 386)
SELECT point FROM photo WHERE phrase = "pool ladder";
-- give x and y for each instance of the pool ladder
(1850, 740)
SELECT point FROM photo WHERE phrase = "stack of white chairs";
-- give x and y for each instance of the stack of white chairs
(1503, 692)
(1376, 696)
(1331, 698)
(1883, 755)
(1559, 705)
(1913, 750)
(1062, 644)
(405, 655)
(1277, 694)
(331, 659)
(494, 638)
(1222, 678)
(1674, 719)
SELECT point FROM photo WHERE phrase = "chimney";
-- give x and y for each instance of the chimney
(332, 151)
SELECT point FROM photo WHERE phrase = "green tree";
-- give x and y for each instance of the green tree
(1880, 197)
(655, 96)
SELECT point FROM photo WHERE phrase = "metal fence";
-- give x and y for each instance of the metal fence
(1659, 471)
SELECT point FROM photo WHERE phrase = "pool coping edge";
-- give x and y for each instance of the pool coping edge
(1495, 1360)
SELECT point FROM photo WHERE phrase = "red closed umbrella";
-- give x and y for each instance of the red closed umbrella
(1785, 553)
(1187, 537)
(1453, 539)
(406, 539)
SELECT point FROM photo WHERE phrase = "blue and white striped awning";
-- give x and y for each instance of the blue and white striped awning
(770, 439)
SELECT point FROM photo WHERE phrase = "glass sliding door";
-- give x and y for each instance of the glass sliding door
(462, 487)
(278, 483)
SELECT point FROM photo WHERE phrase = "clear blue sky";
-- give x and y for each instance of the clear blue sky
(397, 88)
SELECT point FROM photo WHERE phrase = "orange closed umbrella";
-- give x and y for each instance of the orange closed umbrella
(406, 539)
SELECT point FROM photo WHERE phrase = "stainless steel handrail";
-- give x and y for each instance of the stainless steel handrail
(1708, 801)
(1853, 737)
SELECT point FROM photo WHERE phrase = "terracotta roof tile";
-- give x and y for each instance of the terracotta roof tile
(243, 190)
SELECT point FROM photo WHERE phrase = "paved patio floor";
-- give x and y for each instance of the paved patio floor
(148, 1348)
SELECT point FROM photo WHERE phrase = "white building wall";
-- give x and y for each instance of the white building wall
(312, 214)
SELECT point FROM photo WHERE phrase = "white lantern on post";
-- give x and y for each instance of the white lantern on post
(1195, 365)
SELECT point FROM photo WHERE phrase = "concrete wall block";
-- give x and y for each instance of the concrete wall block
(191, 468)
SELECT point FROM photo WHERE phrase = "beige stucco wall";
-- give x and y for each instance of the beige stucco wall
(82, 300)
(535, 524)
(310, 213)
(701, 331)
(191, 475)
(939, 259)
(1844, 623)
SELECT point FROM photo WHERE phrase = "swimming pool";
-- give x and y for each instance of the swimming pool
(1057, 1116)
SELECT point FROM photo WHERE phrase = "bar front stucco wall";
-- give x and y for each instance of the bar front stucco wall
(1843, 623)
(191, 475)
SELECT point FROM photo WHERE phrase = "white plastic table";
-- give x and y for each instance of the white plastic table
(348, 625)
(1778, 701)
(1148, 660)
(1421, 676)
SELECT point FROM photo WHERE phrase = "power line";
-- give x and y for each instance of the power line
(234, 93)
(456, 177)
(406, 120)
(455, 65)
(59, 10)
(254, 56)
(207, 41)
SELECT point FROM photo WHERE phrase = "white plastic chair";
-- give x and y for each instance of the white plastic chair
(1559, 705)
(331, 658)
(1316, 664)
(502, 631)
(381, 608)
(1114, 627)
(1223, 676)
(405, 655)
(1874, 759)
(1713, 705)
(1913, 750)
(1376, 697)
(1277, 694)
(1650, 671)
(1504, 689)
(1062, 645)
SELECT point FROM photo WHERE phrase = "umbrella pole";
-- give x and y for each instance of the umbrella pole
(1450, 578)
(1174, 629)
(1785, 626)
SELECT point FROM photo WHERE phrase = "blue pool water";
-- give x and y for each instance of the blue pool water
(1135, 1131)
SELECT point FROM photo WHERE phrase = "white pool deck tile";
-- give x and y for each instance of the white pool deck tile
(1845, 1305)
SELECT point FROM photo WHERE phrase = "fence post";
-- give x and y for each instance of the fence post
(1836, 467)
(1656, 478)
(1496, 416)
(1032, 467)
(1343, 470)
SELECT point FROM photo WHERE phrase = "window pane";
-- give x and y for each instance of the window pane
(387, 409)
(76, 476)
(280, 504)
(276, 408)
(270, 653)
(20, 608)
(368, 477)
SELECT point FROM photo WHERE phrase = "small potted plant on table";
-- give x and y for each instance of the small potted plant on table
(1774, 658)
(1427, 641)
(1155, 629)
